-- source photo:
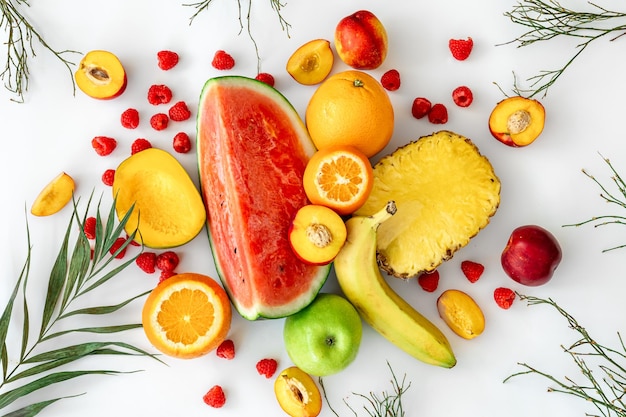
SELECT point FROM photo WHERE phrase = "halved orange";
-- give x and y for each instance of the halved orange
(54, 196)
(339, 177)
(187, 315)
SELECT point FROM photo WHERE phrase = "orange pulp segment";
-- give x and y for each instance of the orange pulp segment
(187, 315)
(338, 177)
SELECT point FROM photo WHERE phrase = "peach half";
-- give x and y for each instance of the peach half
(100, 75)
(317, 234)
(312, 62)
(517, 121)
(297, 393)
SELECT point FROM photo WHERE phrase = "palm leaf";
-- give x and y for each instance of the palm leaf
(9, 397)
(103, 309)
(100, 330)
(34, 409)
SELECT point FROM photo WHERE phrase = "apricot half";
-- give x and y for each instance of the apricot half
(517, 121)
(311, 63)
(100, 75)
(54, 196)
(167, 209)
(461, 313)
(317, 234)
(297, 393)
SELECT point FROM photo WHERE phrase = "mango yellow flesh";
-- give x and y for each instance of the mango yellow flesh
(54, 196)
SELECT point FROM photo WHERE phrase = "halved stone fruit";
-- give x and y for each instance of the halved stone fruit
(517, 121)
(311, 63)
(297, 393)
(100, 75)
(317, 234)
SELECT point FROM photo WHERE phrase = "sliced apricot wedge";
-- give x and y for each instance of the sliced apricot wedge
(517, 121)
(317, 234)
(461, 313)
(297, 393)
(311, 63)
(101, 75)
(54, 196)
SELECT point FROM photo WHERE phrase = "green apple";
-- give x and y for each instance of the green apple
(323, 338)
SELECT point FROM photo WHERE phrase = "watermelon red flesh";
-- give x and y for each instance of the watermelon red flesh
(252, 151)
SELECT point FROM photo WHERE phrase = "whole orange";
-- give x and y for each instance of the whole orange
(350, 108)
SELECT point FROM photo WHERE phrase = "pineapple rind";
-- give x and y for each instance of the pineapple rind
(445, 192)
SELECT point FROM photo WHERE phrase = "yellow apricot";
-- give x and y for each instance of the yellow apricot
(54, 196)
(461, 313)
(311, 63)
(297, 393)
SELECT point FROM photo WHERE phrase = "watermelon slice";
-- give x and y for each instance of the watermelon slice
(252, 151)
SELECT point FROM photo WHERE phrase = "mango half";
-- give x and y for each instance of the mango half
(168, 209)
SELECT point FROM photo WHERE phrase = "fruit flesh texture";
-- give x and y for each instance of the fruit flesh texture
(171, 318)
(100, 75)
(378, 304)
(461, 313)
(317, 234)
(340, 178)
(54, 196)
(517, 121)
(252, 187)
(445, 191)
(297, 393)
(361, 40)
(168, 208)
(312, 62)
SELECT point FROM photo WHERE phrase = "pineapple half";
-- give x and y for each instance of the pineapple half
(445, 192)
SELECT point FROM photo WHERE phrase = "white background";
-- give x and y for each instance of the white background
(541, 184)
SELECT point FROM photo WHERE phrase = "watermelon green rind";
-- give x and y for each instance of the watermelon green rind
(248, 228)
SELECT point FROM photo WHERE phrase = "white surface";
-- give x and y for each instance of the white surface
(541, 184)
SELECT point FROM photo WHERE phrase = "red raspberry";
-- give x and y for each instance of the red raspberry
(103, 145)
(438, 114)
(226, 349)
(391, 80)
(266, 78)
(215, 397)
(472, 270)
(429, 281)
(116, 245)
(181, 142)
(130, 118)
(421, 107)
(108, 177)
(504, 297)
(139, 145)
(146, 261)
(462, 96)
(222, 61)
(165, 275)
(89, 228)
(267, 367)
(461, 48)
(132, 242)
(159, 121)
(179, 112)
(167, 60)
(167, 261)
(159, 94)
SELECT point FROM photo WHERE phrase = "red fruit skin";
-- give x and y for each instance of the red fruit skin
(179, 112)
(421, 107)
(103, 145)
(361, 40)
(223, 61)
(429, 281)
(531, 255)
(167, 261)
(462, 96)
(89, 228)
(267, 367)
(438, 114)
(472, 270)
(139, 145)
(391, 80)
(159, 94)
(146, 261)
(181, 142)
(461, 48)
(159, 121)
(226, 350)
(266, 78)
(108, 176)
(504, 297)
(215, 397)
(166, 60)
(130, 118)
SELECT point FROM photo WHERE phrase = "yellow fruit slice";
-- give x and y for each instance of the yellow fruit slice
(187, 315)
(55, 195)
(311, 63)
(338, 177)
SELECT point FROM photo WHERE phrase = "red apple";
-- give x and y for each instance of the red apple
(531, 255)
(361, 40)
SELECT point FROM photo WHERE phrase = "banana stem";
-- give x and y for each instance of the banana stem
(383, 214)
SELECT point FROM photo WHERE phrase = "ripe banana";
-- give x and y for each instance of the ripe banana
(379, 305)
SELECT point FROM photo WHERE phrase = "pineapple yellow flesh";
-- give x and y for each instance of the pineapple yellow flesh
(445, 192)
